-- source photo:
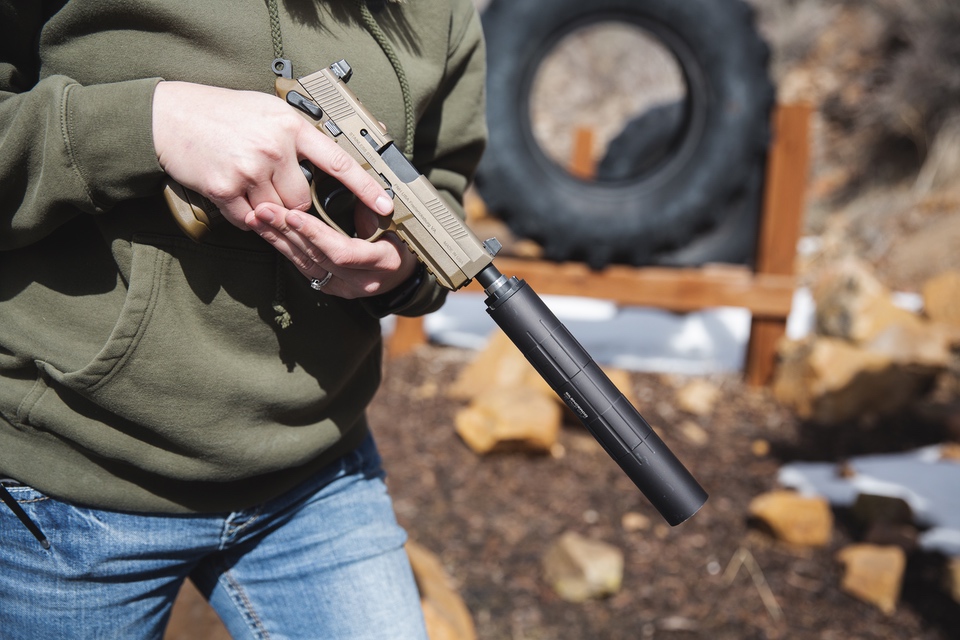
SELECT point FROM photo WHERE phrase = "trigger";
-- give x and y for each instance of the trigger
(333, 195)
(308, 170)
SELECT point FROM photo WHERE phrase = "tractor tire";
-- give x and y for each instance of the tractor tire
(681, 183)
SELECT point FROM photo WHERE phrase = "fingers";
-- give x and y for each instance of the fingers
(241, 149)
(290, 187)
(284, 230)
(365, 221)
(359, 268)
(326, 155)
(287, 186)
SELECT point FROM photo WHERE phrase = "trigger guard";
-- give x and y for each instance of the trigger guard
(321, 211)
(385, 223)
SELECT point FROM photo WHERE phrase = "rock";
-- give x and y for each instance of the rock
(803, 373)
(853, 305)
(929, 249)
(760, 447)
(446, 615)
(578, 568)
(950, 451)
(633, 521)
(694, 433)
(518, 418)
(875, 509)
(902, 535)
(828, 380)
(793, 518)
(698, 397)
(873, 573)
(924, 480)
(941, 167)
(914, 345)
(499, 364)
(941, 298)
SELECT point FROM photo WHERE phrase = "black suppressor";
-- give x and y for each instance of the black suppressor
(603, 410)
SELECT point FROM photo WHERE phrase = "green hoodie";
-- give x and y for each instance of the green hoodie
(140, 370)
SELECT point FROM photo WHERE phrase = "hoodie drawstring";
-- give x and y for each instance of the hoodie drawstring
(11, 502)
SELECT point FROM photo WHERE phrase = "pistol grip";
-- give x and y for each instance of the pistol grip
(195, 214)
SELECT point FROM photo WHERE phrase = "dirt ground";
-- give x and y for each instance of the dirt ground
(490, 520)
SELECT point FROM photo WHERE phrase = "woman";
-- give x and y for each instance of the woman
(171, 408)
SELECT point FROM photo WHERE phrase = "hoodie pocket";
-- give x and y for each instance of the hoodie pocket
(194, 376)
(184, 307)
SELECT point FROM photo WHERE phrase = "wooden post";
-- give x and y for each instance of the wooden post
(408, 334)
(780, 224)
(582, 162)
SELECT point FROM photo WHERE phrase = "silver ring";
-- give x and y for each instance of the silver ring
(317, 285)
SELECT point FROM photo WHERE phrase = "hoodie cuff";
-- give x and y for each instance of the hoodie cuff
(418, 295)
(108, 133)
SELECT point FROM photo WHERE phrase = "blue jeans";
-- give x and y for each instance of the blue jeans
(325, 560)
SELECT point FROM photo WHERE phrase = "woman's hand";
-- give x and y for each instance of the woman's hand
(357, 268)
(241, 149)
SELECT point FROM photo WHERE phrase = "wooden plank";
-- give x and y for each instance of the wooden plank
(780, 225)
(680, 290)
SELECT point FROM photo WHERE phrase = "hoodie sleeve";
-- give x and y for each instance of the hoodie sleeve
(65, 149)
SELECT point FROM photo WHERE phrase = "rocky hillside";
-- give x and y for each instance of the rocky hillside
(884, 78)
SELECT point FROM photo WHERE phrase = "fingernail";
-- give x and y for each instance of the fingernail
(384, 205)
(266, 215)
